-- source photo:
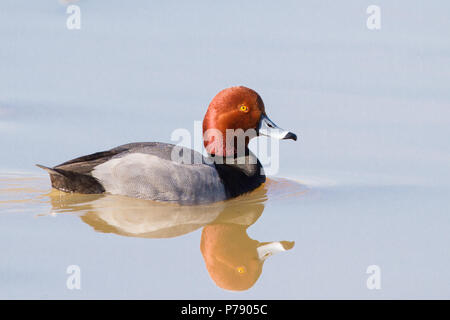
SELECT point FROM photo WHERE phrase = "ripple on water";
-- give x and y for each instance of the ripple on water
(28, 193)
(136, 217)
(149, 219)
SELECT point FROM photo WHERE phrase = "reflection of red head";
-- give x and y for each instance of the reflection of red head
(232, 108)
(230, 256)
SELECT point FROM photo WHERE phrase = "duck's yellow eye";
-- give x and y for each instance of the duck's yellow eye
(243, 108)
(241, 270)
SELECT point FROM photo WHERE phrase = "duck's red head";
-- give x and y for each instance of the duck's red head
(237, 113)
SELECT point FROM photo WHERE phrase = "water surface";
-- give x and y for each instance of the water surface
(366, 184)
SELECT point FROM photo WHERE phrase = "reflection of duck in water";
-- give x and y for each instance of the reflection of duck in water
(234, 261)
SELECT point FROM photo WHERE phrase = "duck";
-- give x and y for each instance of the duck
(166, 172)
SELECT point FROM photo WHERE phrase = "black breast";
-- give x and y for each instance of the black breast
(240, 178)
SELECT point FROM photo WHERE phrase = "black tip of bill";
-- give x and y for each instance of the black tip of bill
(291, 136)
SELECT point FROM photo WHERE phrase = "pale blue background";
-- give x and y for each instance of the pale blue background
(372, 109)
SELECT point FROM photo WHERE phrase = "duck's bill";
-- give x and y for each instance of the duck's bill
(268, 249)
(270, 129)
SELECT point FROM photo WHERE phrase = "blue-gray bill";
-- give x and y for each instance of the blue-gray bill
(268, 128)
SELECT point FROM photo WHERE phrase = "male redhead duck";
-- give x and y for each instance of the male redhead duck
(148, 170)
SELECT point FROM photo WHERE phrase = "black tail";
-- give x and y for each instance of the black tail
(49, 170)
(70, 181)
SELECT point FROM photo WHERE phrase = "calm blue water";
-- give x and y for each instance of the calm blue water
(368, 179)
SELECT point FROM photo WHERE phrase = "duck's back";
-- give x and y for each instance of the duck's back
(143, 170)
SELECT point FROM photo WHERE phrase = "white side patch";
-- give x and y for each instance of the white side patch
(150, 177)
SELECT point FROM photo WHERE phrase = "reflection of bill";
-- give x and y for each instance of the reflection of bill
(233, 260)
